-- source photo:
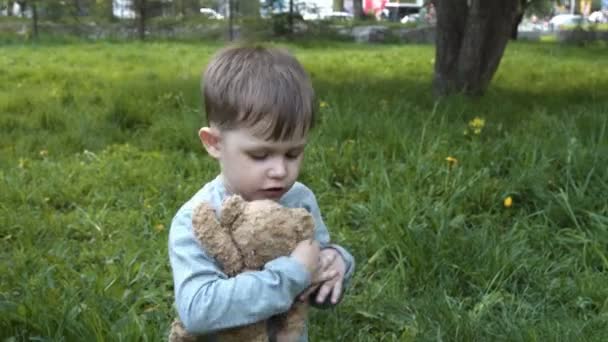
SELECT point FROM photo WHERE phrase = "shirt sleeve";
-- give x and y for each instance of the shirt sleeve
(207, 300)
(322, 235)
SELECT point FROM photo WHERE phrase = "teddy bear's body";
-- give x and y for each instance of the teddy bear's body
(246, 237)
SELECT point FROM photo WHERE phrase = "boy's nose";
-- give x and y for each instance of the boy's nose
(278, 168)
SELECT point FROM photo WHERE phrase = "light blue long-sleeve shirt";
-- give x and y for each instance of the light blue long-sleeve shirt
(208, 300)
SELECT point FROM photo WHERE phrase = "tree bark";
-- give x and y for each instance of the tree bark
(250, 8)
(111, 10)
(290, 18)
(471, 39)
(358, 9)
(233, 10)
(339, 5)
(142, 13)
(35, 18)
(514, 32)
(521, 10)
(9, 8)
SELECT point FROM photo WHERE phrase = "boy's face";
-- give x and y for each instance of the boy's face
(253, 167)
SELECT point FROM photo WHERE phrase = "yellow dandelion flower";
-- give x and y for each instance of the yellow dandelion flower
(477, 123)
(323, 104)
(508, 202)
(159, 227)
(451, 161)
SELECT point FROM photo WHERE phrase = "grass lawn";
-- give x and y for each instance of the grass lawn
(98, 149)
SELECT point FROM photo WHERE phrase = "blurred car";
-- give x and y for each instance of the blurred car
(336, 15)
(210, 13)
(559, 21)
(598, 17)
(410, 18)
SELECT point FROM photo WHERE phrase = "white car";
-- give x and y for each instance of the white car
(333, 15)
(560, 20)
(410, 18)
(598, 17)
(210, 13)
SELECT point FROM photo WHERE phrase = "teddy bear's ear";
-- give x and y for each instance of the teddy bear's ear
(231, 209)
(216, 239)
(204, 221)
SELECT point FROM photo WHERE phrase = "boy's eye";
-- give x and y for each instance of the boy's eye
(293, 154)
(258, 155)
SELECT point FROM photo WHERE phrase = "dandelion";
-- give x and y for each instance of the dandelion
(451, 161)
(159, 227)
(323, 104)
(508, 202)
(477, 124)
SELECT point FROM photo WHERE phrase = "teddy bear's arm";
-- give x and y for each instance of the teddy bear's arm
(216, 239)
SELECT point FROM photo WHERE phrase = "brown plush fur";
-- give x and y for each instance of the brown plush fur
(246, 237)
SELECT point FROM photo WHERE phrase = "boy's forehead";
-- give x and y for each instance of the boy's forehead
(251, 138)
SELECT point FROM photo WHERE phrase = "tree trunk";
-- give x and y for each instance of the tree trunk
(142, 13)
(111, 10)
(290, 18)
(339, 5)
(518, 18)
(471, 39)
(521, 10)
(9, 8)
(231, 13)
(35, 18)
(358, 9)
(181, 8)
(250, 8)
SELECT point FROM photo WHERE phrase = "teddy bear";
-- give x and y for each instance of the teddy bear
(247, 236)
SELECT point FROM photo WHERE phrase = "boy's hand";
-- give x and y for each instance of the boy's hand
(333, 268)
(307, 253)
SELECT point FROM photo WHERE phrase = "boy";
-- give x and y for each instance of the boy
(260, 107)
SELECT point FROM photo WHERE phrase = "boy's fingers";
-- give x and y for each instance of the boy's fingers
(337, 291)
(329, 259)
(332, 259)
(323, 292)
(307, 292)
(328, 275)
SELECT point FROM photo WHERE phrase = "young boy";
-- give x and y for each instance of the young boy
(260, 107)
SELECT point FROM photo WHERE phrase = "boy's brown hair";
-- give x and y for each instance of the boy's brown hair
(249, 86)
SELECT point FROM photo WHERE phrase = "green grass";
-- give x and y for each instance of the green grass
(98, 149)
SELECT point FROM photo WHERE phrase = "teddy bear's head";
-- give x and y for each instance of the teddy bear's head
(264, 230)
(250, 234)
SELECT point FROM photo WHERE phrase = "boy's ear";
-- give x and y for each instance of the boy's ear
(210, 137)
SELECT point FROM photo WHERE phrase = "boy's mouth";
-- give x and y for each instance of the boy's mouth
(273, 192)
